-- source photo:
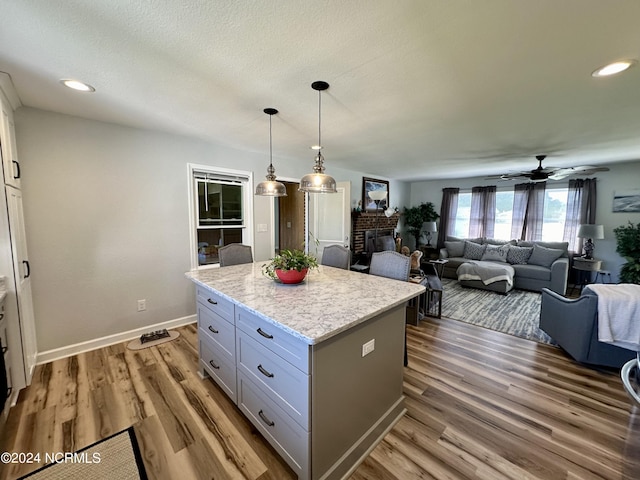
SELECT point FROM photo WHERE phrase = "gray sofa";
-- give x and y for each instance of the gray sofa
(573, 324)
(537, 265)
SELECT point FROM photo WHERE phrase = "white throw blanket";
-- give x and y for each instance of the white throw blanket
(618, 314)
(487, 272)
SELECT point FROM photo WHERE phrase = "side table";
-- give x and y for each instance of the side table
(439, 264)
(584, 267)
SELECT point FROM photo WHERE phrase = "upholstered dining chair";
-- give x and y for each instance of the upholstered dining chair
(234, 254)
(336, 256)
(392, 264)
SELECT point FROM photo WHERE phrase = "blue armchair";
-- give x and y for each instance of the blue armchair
(573, 324)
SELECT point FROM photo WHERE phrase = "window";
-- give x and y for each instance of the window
(555, 208)
(221, 201)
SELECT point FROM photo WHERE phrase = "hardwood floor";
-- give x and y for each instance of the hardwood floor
(481, 405)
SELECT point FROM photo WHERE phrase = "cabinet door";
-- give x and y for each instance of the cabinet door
(10, 163)
(22, 271)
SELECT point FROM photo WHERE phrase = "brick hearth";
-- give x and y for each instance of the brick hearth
(363, 221)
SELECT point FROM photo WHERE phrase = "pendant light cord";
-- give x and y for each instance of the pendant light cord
(319, 119)
(270, 144)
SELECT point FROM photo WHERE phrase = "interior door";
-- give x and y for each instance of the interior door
(329, 219)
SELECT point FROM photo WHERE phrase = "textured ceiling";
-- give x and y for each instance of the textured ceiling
(419, 88)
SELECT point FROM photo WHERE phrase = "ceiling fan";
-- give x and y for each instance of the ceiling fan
(541, 173)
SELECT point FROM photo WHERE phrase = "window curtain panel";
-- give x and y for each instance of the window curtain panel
(483, 212)
(528, 211)
(448, 213)
(581, 208)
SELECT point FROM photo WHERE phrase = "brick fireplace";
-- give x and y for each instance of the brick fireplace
(361, 222)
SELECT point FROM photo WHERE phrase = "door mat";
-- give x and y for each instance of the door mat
(138, 345)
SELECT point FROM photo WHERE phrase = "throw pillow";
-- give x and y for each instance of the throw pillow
(519, 255)
(473, 251)
(496, 254)
(454, 249)
(544, 256)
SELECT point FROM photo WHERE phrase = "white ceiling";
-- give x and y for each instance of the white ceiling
(420, 89)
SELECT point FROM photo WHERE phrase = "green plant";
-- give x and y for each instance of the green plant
(628, 246)
(289, 260)
(414, 217)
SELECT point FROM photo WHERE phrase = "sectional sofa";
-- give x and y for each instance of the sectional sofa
(535, 265)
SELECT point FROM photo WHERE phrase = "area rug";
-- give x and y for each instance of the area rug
(516, 313)
(116, 457)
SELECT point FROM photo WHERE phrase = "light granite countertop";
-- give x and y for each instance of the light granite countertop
(328, 302)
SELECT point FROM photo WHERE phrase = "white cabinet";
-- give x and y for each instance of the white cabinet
(14, 259)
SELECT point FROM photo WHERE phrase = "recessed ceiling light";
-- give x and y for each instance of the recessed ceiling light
(76, 85)
(613, 68)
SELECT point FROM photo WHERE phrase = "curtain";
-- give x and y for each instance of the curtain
(448, 213)
(528, 211)
(581, 208)
(483, 211)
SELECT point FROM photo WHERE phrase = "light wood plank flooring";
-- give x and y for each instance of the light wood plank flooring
(481, 405)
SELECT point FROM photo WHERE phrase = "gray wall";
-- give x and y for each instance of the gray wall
(622, 176)
(106, 213)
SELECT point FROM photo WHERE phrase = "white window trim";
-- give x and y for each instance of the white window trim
(248, 236)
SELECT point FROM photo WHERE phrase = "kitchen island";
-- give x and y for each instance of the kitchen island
(316, 367)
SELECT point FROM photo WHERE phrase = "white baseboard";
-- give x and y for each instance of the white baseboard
(63, 352)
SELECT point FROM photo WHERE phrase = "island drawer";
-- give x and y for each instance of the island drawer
(292, 349)
(286, 436)
(284, 383)
(214, 328)
(215, 302)
(221, 370)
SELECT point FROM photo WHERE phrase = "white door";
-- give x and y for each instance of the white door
(329, 219)
(22, 270)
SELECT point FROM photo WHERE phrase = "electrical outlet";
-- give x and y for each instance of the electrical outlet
(142, 305)
(368, 347)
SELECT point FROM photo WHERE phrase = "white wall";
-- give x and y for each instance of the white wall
(106, 215)
(622, 176)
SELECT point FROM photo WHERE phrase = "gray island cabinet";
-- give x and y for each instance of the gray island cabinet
(316, 367)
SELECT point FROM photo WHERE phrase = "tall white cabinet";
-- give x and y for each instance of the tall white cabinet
(21, 343)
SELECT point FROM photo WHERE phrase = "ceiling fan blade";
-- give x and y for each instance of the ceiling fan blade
(582, 170)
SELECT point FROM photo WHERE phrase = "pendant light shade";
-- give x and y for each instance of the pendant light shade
(270, 187)
(318, 181)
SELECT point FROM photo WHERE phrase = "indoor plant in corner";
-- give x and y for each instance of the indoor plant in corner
(414, 217)
(290, 266)
(628, 246)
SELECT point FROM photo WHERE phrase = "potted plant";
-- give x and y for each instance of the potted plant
(290, 266)
(414, 217)
(628, 246)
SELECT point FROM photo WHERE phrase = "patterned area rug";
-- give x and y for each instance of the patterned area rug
(516, 313)
(116, 457)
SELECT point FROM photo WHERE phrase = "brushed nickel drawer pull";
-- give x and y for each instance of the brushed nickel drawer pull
(213, 330)
(265, 335)
(265, 419)
(212, 302)
(217, 367)
(265, 372)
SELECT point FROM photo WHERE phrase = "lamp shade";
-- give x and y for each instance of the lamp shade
(429, 227)
(377, 195)
(587, 230)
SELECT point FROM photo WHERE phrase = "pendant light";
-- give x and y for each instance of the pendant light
(270, 187)
(318, 182)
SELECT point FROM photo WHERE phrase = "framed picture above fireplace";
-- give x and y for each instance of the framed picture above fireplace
(371, 184)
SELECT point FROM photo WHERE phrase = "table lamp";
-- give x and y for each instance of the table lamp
(429, 228)
(590, 231)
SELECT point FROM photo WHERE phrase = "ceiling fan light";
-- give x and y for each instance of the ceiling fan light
(613, 68)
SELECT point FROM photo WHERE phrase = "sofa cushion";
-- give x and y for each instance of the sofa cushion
(495, 253)
(519, 255)
(454, 249)
(564, 246)
(495, 241)
(532, 271)
(544, 256)
(473, 251)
